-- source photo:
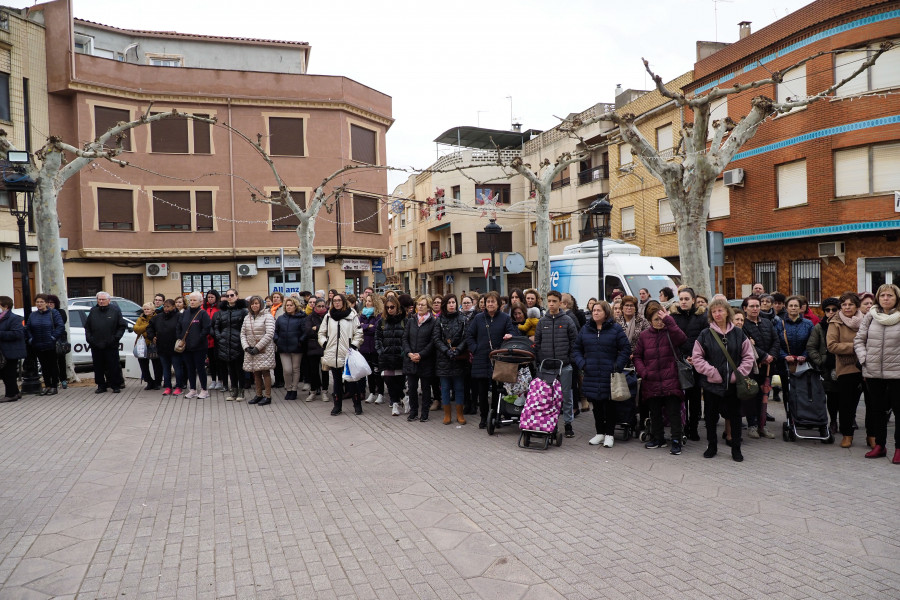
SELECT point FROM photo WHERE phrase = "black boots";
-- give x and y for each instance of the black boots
(256, 400)
(264, 401)
(338, 401)
(736, 452)
(711, 449)
(357, 404)
(425, 408)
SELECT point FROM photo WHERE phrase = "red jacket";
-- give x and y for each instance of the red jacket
(655, 361)
(211, 310)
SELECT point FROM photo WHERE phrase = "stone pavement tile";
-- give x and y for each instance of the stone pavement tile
(20, 593)
(61, 582)
(31, 569)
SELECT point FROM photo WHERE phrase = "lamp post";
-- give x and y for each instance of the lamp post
(492, 229)
(17, 182)
(601, 209)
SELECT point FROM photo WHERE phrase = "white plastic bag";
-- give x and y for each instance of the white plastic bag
(140, 347)
(356, 367)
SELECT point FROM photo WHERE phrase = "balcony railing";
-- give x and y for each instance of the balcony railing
(629, 234)
(594, 174)
(559, 183)
(665, 228)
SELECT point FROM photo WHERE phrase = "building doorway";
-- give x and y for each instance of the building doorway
(17, 283)
(77, 287)
(129, 286)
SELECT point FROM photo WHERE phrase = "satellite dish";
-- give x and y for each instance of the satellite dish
(515, 263)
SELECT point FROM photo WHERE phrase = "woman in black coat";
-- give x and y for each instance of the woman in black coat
(45, 326)
(193, 327)
(53, 302)
(486, 332)
(12, 345)
(161, 331)
(290, 343)
(312, 362)
(419, 357)
(452, 357)
(389, 348)
(691, 319)
(226, 329)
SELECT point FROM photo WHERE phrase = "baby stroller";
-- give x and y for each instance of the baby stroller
(626, 411)
(806, 409)
(540, 416)
(512, 364)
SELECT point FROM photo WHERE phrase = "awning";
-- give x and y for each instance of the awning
(479, 137)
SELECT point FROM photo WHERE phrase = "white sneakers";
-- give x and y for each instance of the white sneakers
(312, 396)
(216, 385)
(395, 410)
(405, 404)
(608, 442)
(203, 395)
(191, 394)
(379, 399)
(370, 398)
(304, 387)
(597, 439)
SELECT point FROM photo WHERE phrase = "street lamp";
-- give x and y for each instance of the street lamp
(492, 229)
(601, 209)
(17, 182)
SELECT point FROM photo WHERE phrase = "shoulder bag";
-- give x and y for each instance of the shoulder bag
(747, 388)
(180, 344)
(618, 387)
(685, 371)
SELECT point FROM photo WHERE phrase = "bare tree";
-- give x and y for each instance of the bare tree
(689, 178)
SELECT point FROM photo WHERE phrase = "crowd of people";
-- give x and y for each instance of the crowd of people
(432, 353)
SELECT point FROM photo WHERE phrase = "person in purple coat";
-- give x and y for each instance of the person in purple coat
(655, 361)
(369, 320)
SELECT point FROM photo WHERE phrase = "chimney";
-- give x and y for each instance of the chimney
(618, 89)
(744, 29)
(517, 127)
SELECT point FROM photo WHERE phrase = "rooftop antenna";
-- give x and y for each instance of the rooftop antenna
(716, 14)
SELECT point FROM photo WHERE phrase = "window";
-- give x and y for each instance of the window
(806, 280)
(115, 209)
(502, 242)
(885, 73)
(422, 253)
(767, 274)
(457, 243)
(4, 199)
(396, 255)
(409, 249)
(664, 140)
(4, 97)
(561, 179)
(627, 215)
(665, 212)
(455, 193)
(533, 234)
(562, 230)
(84, 44)
(625, 156)
(366, 214)
(363, 145)
(403, 218)
(496, 193)
(720, 201)
(791, 183)
(283, 218)
(867, 170)
(106, 118)
(286, 136)
(201, 282)
(164, 60)
(183, 210)
(177, 136)
(718, 110)
(792, 87)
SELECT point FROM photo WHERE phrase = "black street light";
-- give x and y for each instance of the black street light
(492, 229)
(18, 183)
(601, 209)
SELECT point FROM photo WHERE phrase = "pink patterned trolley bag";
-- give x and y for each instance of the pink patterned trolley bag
(540, 415)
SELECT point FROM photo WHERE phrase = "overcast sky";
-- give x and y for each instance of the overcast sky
(458, 63)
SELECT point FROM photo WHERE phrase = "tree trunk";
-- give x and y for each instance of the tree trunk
(542, 236)
(690, 221)
(306, 231)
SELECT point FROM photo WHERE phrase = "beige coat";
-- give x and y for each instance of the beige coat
(336, 337)
(258, 333)
(840, 343)
(877, 347)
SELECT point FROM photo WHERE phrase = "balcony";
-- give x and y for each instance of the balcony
(665, 228)
(559, 183)
(629, 234)
(594, 174)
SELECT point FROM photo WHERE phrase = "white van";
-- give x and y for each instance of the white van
(575, 271)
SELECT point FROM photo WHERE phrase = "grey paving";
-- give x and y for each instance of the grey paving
(137, 496)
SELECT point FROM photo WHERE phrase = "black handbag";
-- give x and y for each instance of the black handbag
(63, 347)
(152, 351)
(685, 370)
(747, 388)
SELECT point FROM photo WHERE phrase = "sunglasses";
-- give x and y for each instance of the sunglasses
(830, 310)
(230, 295)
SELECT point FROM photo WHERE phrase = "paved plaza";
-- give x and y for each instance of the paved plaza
(135, 496)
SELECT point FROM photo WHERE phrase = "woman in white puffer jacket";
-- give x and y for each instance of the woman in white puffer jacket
(339, 332)
(877, 346)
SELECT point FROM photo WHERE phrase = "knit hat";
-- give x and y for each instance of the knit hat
(534, 313)
(835, 302)
(405, 301)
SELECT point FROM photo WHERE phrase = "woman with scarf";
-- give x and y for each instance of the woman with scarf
(452, 358)
(842, 329)
(389, 348)
(316, 375)
(419, 358)
(631, 322)
(823, 360)
(257, 334)
(369, 320)
(142, 330)
(289, 344)
(161, 330)
(193, 327)
(877, 347)
(211, 306)
(227, 324)
(45, 326)
(277, 309)
(467, 313)
(338, 333)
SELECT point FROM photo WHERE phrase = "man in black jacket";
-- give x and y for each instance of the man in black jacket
(766, 343)
(103, 329)
(554, 338)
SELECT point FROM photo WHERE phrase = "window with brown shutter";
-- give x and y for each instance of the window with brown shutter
(106, 118)
(115, 209)
(169, 136)
(285, 136)
(283, 218)
(365, 214)
(204, 210)
(362, 144)
(172, 210)
(202, 140)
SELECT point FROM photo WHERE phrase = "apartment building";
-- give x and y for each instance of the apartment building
(183, 218)
(812, 194)
(24, 118)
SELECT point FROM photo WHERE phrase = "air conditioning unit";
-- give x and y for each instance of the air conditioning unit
(157, 269)
(832, 250)
(246, 270)
(733, 178)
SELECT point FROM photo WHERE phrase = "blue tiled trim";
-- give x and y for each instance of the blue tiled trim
(812, 232)
(814, 135)
(891, 14)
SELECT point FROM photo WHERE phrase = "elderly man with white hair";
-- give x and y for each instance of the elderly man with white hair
(103, 329)
(192, 328)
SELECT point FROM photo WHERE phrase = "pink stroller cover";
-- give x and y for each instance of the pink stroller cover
(542, 405)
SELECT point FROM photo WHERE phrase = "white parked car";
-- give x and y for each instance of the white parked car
(130, 310)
